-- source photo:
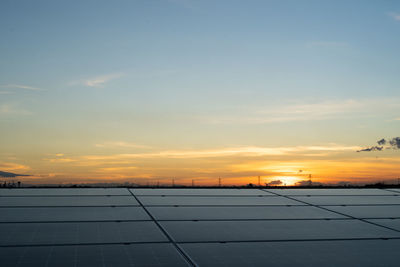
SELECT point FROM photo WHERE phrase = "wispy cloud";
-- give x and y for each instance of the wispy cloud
(308, 111)
(19, 86)
(9, 109)
(62, 160)
(395, 16)
(246, 151)
(243, 151)
(117, 169)
(120, 144)
(9, 166)
(99, 81)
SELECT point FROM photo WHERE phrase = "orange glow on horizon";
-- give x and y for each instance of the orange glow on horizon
(238, 167)
(284, 180)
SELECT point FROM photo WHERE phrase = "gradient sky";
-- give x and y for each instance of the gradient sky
(146, 91)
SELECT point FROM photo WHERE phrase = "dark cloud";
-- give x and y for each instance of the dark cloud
(275, 182)
(308, 183)
(372, 148)
(10, 174)
(393, 143)
(343, 183)
(382, 142)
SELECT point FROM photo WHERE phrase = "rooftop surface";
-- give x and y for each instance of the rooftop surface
(199, 227)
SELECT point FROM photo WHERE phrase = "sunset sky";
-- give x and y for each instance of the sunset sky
(154, 90)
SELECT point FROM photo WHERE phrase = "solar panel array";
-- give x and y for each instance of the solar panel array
(199, 227)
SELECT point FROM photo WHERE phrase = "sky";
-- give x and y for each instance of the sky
(150, 91)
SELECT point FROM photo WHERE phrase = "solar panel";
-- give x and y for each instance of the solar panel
(332, 192)
(79, 233)
(349, 200)
(205, 227)
(370, 211)
(334, 253)
(198, 192)
(64, 192)
(152, 254)
(67, 201)
(223, 231)
(392, 223)
(63, 214)
(215, 201)
(241, 213)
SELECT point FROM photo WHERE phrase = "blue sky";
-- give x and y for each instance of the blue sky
(183, 74)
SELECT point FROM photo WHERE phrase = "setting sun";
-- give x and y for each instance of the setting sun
(283, 180)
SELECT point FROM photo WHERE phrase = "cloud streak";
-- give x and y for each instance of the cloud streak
(308, 111)
(120, 144)
(8, 109)
(244, 151)
(99, 81)
(395, 16)
(19, 86)
(8, 166)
